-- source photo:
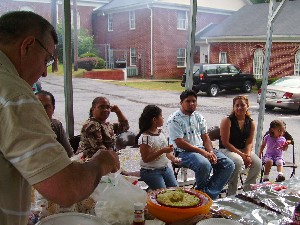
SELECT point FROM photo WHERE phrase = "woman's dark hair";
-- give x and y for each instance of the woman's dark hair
(94, 103)
(243, 98)
(145, 120)
(186, 94)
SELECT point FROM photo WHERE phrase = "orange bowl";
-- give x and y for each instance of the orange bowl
(173, 214)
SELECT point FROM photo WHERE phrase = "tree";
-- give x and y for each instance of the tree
(85, 43)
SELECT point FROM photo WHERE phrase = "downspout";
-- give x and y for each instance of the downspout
(151, 42)
(208, 50)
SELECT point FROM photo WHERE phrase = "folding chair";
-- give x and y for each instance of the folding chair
(74, 142)
(291, 164)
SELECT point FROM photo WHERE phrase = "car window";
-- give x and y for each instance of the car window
(233, 69)
(222, 69)
(287, 82)
(211, 69)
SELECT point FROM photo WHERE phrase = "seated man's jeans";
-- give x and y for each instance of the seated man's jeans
(158, 178)
(205, 182)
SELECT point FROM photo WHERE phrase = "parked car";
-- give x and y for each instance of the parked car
(37, 86)
(283, 93)
(212, 78)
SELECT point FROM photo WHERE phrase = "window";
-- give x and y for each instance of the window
(258, 62)
(223, 57)
(132, 57)
(182, 20)
(109, 22)
(297, 64)
(131, 20)
(181, 54)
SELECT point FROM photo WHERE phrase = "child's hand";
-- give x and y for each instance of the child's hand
(168, 149)
(284, 147)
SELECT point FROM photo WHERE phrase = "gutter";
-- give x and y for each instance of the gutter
(151, 42)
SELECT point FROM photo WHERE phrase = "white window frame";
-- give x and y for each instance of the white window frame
(132, 57)
(109, 22)
(182, 20)
(223, 57)
(181, 57)
(258, 63)
(297, 64)
(132, 20)
(78, 20)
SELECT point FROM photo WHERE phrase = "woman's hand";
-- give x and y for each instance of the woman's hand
(247, 160)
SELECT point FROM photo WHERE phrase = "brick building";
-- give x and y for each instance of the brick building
(150, 37)
(241, 39)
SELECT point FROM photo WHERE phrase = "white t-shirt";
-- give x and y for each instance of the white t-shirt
(156, 142)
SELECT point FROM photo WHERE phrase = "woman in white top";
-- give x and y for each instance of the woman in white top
(155, 151)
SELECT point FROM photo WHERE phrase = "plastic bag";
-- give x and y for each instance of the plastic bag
(115, 197)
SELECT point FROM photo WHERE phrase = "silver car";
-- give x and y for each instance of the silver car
(283, 93)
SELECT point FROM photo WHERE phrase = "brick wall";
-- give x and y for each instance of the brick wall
(241, 54)
(105, 75)
(166, 38)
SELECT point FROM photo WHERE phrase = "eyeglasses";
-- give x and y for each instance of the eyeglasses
(104, 107)
(51, 60)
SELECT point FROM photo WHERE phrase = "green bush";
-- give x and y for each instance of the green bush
(88, 63)
(270, 81)
(88, 54)
(100, 62)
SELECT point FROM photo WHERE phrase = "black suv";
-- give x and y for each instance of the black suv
(212, 78)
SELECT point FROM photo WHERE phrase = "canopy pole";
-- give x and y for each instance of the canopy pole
(272, 16)
(191, 45)
(68, 88)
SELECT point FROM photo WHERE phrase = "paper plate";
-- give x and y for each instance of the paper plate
(71, 219)
(218, 221)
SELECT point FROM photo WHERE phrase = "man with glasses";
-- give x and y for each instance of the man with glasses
(97, 133)
(30, 155)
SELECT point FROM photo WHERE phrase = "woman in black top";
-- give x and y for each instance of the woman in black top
(237, 135)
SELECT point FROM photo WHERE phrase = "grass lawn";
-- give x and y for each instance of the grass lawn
(169, 85)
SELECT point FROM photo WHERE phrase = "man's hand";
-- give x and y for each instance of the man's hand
(211, 157)
(108, 161)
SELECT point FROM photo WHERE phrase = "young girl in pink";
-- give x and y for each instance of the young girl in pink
(276, 144)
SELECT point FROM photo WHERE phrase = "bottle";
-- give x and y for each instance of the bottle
(296, 217)
(139, 217)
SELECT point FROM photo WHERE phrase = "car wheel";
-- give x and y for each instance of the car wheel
(247, 87)
(269, 107)
(298, 110)
(213, 90)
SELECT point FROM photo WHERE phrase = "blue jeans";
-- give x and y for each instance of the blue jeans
(159, 178)
(205, 182)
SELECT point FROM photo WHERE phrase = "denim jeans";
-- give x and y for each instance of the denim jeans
(205, 182)
(159, 178)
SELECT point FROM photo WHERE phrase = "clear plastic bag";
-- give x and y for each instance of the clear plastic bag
(115, 197)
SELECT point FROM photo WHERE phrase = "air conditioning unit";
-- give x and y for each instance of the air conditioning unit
(132, 71)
